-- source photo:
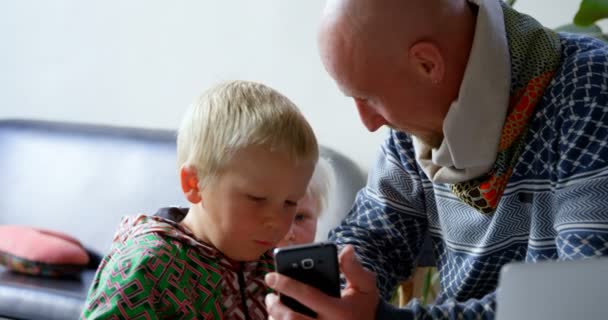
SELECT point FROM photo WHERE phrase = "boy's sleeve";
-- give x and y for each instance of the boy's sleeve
(124, 287)
(152, 277)
(388, 221)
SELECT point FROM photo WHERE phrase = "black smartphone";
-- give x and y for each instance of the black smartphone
(314, 264)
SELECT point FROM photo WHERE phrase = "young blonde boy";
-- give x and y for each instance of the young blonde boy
(245, 156)
(312, 205)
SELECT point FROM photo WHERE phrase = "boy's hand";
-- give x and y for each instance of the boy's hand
(359, 299)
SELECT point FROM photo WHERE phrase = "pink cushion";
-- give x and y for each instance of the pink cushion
(41, 252)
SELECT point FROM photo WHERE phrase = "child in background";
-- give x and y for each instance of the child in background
(312, 206)
(245, 157)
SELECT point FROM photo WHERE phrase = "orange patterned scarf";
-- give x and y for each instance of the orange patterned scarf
(535, 55)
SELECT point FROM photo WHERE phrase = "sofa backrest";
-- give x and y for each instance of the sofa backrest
(81, 179)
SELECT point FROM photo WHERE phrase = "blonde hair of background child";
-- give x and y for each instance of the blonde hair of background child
(321, 184)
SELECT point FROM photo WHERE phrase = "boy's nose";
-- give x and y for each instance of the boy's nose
(271, 219)
(270, 224)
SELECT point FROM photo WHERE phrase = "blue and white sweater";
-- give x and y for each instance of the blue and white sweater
(555, 206)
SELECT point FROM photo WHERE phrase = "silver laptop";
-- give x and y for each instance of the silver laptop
(553, 290)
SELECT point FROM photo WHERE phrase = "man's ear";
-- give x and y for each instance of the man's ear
(427, 61)
(190, 184)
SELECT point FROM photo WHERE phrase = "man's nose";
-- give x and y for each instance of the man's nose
(370, 119)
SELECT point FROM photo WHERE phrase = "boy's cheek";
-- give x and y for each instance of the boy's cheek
(286, 225)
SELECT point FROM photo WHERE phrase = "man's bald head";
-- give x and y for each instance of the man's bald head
(386, 26)
(421, 44)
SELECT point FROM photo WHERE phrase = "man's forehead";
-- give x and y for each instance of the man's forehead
(343, 70)
(350, 71)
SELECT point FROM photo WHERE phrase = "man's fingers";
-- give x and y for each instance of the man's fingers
(358, 277)
(303, 293)
(278, 311)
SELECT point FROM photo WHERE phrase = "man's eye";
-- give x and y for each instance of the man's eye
(300, 217)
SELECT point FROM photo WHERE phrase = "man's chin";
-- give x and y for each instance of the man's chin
(431, 140)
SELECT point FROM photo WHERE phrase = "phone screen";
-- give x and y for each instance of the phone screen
(314, 264)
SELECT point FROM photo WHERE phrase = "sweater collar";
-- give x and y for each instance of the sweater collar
(474, 121)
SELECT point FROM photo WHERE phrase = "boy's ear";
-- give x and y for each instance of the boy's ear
(189, 180)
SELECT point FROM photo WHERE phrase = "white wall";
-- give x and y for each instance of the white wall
(551, 13)
(141, 62)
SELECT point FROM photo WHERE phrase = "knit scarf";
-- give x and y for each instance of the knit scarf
(535, 55)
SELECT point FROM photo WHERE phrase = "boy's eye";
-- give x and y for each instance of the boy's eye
(304, 215)
(291, 203)
(256, 199)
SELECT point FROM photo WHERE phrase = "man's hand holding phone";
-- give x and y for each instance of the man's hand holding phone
(358, 300)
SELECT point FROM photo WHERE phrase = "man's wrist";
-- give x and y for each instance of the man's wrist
(386, 311)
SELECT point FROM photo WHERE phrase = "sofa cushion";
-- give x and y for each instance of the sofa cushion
(41, 252)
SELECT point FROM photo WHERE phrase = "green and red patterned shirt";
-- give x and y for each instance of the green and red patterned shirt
(157, 269)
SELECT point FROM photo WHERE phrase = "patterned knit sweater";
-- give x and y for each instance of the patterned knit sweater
(156, 269)
(555, 205)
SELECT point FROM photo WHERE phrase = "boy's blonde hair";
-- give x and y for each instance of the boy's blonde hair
(321, 184)
(237, 114)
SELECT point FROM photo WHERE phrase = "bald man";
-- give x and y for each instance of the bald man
(497, 150)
